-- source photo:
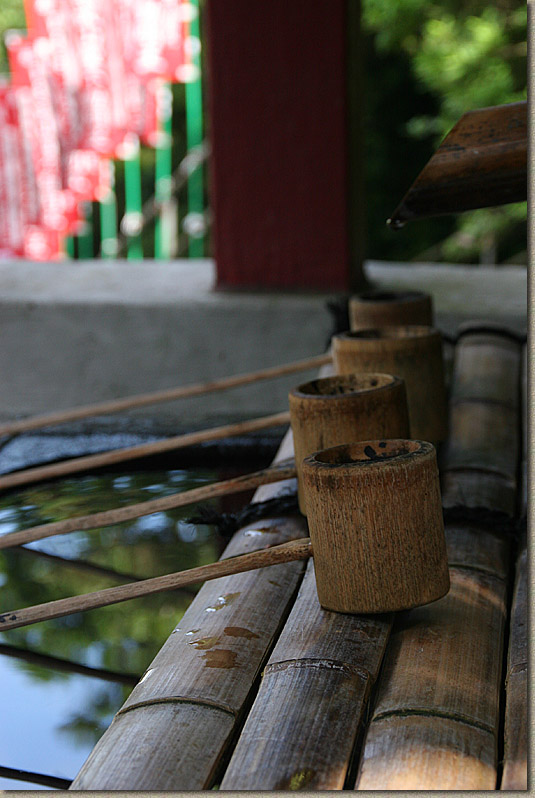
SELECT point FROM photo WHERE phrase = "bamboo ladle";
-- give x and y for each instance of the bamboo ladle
(376, 527)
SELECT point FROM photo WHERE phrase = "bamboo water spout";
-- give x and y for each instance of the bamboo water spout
(481, 162)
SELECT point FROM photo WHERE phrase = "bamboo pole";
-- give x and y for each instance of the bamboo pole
(166, 395)
(480, 459)
(515, 764)
(89, 462)
(299, 734)
(128, 512)
(178, 722)
(481, 162)
(299, 549)
(436, 718)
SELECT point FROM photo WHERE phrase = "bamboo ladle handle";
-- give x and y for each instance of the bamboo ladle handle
(299, 549)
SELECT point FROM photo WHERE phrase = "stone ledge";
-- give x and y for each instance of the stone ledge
(75, 333)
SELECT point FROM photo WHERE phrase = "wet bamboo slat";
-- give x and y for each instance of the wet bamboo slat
(435, 722)
(436, 719)
(475, 489)
(301, 730)
(428, 756)
(527, 400)
(515, 776)
(487, 367)
(480, 458)
(176, 725)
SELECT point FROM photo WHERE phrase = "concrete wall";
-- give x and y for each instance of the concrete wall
(75, 333)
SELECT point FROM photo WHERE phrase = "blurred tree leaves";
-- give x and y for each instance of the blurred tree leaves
(11, 17)
(444, 59)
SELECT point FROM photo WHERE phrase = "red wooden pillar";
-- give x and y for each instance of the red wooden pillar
(278, 122)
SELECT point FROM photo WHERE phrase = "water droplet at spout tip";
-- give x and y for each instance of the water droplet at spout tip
(395, 224)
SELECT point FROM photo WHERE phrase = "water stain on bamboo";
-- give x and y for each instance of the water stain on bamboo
(239, 631)
(223, 601)
(221, 658)
(204, 642)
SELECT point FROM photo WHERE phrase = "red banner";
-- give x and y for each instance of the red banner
(11, 178)
(31, 85)
(41, 243)
(158, 38)
(96, 32)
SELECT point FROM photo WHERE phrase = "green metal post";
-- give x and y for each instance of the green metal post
(85, 238)
(194, 137)
(133, 221)
(108, 219)
(165, 231)
(69, 246)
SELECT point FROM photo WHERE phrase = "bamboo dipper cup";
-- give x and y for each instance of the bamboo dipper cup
(376, 533)
(354, 407)
(412, 352)
(381, 308)
(375, 519)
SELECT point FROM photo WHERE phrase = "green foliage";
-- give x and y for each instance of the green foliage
(456, 56)
(11, 17)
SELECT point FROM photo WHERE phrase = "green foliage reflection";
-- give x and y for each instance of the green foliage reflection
(124, 637)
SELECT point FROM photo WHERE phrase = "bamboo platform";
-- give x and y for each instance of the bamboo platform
(259, 688)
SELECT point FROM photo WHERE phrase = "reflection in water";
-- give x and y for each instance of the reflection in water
(58, 713)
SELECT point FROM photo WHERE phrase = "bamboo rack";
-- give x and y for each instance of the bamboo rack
(176, 726)
(515, 766)
(435, 719)
(481, 455)
(515, 769)
(435, 723)
(299, 734)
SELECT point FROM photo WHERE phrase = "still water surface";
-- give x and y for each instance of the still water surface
(54, 711)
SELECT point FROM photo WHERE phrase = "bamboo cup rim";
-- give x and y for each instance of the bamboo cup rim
(389, 332)
(385, 295)
(344, 385)
(365, 454)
